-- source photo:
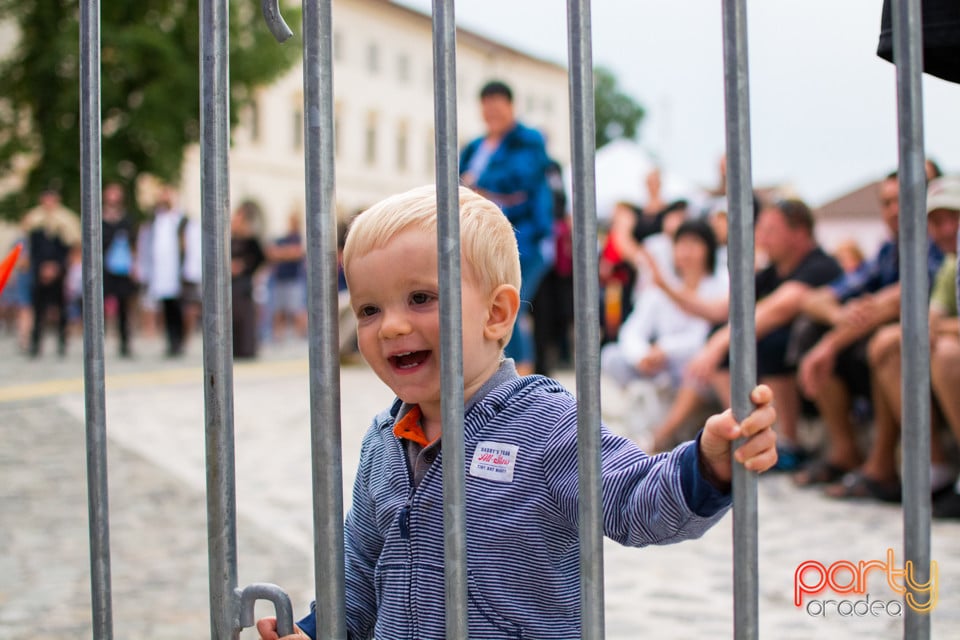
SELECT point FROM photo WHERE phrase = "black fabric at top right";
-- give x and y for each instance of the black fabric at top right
(941, 37)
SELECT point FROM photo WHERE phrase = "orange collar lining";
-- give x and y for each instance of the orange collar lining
(408, 427)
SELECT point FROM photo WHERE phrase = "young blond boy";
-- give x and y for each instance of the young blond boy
(520, 443)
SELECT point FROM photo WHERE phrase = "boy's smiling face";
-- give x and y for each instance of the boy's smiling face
(394, 292)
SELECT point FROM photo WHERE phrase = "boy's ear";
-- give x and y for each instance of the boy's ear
(504, 306)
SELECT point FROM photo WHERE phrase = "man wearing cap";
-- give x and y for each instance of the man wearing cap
(944, 194)
(858, 354)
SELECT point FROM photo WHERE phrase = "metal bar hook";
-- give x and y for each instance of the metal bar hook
(266, 591)
(275, 22)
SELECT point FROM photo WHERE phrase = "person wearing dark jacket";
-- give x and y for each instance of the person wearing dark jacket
(51, 230)
(246, 256)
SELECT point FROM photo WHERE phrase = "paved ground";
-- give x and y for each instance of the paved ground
(158, 526)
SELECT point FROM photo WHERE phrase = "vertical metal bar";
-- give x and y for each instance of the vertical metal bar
(93, 365)
(321, 228)
(451, 329)
(217, 313)
(915, 378)
(586, 294)
(743, 346)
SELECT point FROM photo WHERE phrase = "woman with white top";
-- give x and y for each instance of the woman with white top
(658, 338)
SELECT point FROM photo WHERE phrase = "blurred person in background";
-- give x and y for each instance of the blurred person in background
(73, 292)
(617, 271)
(191, 279)
(289, 287)
(508, 166)
(246, 256)
(831, 342)
(849, 256)
(160, 247)
(878, 476)
(118, 261)
(52, 231)
(659, 338)
(553, 305)
(17, 297)
(797, 265)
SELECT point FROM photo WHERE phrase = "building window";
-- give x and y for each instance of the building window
(297, 128)
(402, 147)
(370, 140)
(403, 68)
(373, 58)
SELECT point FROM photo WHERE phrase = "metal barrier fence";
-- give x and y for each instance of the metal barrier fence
(231, 607)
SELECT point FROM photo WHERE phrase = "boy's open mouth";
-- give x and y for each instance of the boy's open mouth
(409, 359)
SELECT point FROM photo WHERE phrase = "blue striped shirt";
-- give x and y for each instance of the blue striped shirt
(522, 541)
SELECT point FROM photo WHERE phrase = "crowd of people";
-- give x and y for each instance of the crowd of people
(827, 324)
(152, 271)
(827, 330)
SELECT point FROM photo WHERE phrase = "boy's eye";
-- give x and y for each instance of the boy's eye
(422, 298)
(366, 311)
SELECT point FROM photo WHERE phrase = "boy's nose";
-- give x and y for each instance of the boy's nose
(394, 324)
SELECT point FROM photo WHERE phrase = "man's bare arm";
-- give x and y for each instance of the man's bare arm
(821, 305)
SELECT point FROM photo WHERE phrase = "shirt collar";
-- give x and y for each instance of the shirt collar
(407, 425)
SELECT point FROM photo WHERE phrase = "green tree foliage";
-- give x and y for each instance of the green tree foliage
(618, 115)
(150, 88)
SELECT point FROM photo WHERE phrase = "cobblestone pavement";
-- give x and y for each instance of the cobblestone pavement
(158, 519)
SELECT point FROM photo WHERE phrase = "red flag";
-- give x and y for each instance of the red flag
(6, 267)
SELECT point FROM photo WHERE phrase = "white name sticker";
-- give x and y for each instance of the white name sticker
(494, 461)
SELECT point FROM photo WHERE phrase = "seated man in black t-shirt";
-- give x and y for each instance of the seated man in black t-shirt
(784, 232)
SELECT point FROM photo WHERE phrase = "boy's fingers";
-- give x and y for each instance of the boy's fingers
(757, 446)
(760, 419)
(761, 394)
(724, 425)
(759, 461)
(267, 628)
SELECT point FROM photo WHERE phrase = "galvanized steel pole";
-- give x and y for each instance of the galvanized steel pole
(217, 313)
(451, 329)
(586, 294)
(98, 503)
(743, 346)
(915, 379)
(321, 224)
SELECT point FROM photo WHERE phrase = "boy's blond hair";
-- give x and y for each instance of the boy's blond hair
(488, 245)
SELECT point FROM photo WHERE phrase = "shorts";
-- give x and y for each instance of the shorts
(853, 369)
(851, 364)
(18, 291)
(289, 296)
(771, 355)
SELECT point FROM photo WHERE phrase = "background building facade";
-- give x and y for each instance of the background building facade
(383, 96)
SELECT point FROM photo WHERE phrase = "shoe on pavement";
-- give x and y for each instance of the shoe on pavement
(947, 506)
